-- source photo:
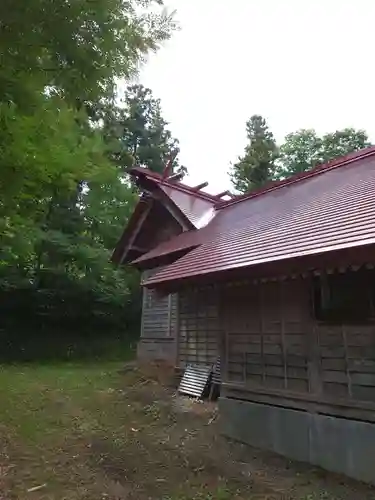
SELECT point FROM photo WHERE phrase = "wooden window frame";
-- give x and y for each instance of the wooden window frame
(326, 287)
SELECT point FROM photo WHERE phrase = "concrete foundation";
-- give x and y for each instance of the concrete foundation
(336, 444)
(161, 349)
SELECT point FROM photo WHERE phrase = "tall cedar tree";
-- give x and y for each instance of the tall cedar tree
(140, 134)
(256, 167)
(304, 149)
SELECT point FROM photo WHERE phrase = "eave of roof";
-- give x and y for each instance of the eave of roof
(196, 238)
(318, 215)
(136, 216)
(187, 204)
(179, 186)
(184, 241)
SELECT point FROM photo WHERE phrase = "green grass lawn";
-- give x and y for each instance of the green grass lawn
(71, 431)
(48, 417)
(90, 432)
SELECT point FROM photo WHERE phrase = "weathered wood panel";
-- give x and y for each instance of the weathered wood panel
(265, 330)
(159, 312)
(273, 343)
(348, 360)
(199, 332)
(158, 325)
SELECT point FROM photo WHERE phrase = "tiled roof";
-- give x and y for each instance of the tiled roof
(179, 186)
(194, 206)
(193, 203)
(326, 209)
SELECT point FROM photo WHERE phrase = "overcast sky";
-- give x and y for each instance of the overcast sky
(299, 63)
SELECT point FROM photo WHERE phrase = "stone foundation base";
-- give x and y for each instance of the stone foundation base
(336, 444)
(163, 349)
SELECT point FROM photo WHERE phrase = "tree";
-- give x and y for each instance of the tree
(50, 76)
(79, 48)
(141, 131)
(256, 167)
(64, 197)
(42, 153)
(304, 149)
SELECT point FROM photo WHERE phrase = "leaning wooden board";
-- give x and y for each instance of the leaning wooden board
(195, 380)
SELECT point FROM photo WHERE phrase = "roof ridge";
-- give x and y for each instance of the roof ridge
(319, 169)
(176, 185)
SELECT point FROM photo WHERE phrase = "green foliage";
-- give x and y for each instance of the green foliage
(64, 197)
(264, 161)
(63, 208)
(142, 134)
(43, 152)
(304, 149)
(77, 48)
(256, 167)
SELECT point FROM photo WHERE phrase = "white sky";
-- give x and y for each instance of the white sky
(299, 63)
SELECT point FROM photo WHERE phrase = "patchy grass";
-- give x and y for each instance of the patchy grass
(90, 432)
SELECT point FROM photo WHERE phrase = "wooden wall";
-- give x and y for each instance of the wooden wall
(272, 349)
(158, 324)
(347, 360)
(199, 332)
(158, 311)
(182, 327)
(277, 353)
(266, 340)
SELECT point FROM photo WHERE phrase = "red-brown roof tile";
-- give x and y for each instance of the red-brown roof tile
(191, 206)
(192, 203)
(326, 209)
(180, 186)
(228, 217)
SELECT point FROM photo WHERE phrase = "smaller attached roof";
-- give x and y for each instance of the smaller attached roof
(329, 208)
(193, 203)
(191, 207)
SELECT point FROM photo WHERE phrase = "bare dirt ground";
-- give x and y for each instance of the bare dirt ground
(93, 433)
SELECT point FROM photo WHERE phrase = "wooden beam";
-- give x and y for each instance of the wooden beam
(327, 405)
(138, 249)
(224, 193)
(175, 177)
(169, 165)
(200, 186)
(137, 230)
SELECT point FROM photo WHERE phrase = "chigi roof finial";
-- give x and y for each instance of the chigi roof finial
(168, 169)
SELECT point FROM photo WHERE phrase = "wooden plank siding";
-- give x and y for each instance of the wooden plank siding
(189, 319)
(277, 353)
(348, 360)
(159, 317)
(266, 339)
(199, 332)
(158, 325)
